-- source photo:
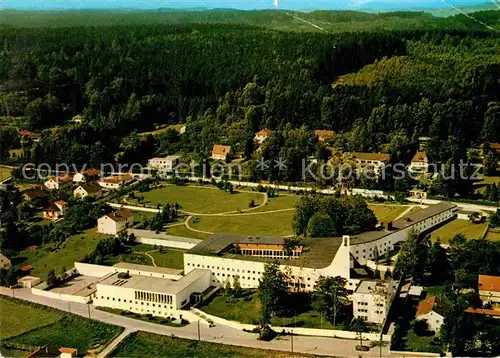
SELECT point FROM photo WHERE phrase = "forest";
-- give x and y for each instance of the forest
(379, 90)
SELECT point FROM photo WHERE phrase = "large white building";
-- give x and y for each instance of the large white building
(371, 300)
(167, 163)
(226, 258)
(144, 294)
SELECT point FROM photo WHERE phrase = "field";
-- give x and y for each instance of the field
(279, 203)
(4, 173)
(248, 311)
(279, 223)
(171, 258)
(33, 325)
(493, 234)
(201, 200)
(181, 230)
(177, 127)
(486, 180)
(74, 249)
(386, 213)
(17, 318)
(447, 231)
(144, 345)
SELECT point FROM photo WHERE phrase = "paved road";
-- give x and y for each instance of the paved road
(463, 206)
(218, 334)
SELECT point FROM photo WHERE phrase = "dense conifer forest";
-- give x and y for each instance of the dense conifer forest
(406, 75)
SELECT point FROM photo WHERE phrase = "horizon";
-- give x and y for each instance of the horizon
(131, 5)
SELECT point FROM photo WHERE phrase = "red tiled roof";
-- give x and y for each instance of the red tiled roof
(67, 350)
(25, 132)
(264, 132)
(92, 172)
(371, 156)
(425, 306)
(419, 157)
(495, 146)
(221, 149)
(485, 311)
(61, 202)
(120, 215)
(117, 179)
(489, 283)
(26, 268)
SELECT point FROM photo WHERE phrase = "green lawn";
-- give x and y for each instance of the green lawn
(70, 331)
(278, 203)
(30, 324)
(263, 224)
(171, 258)
(16, 318)
(386, 213)
(493, 235)
(74, 249)
(145, 345)
(447, 231)
(5, 173)
(181, 230)
(203, 200)
(486, 180)
(248, 311)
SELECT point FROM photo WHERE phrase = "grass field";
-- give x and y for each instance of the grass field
(386, 213)
(493, 235)
(279, 223)
(248, 311)
(5, 173)
(30, 324)
(458, 226)
(181, 230)
(486, 180)
(17, 318)
(278, 203)
(177, 127)
(416, 343)
(74, 249)
(146, 345)
(201, 200)
(171, 258)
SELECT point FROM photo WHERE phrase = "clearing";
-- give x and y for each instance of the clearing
(52, 327)
(145, 345)
(458, 226)
(247, 310)
(168, 257)
(387, 213)
(202, 200)
(5, 173)
(73, 249)
(264, 223)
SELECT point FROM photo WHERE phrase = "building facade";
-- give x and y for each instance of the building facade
(151, 295)
(371, 301)
(113, 223)
(167, 163)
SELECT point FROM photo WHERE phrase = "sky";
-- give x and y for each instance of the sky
(234, 4)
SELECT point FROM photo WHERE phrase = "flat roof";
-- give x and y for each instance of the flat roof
(147, 268)
(150, 234)
(317, 253)
(403, 223)
(154, 284)
(367, 286)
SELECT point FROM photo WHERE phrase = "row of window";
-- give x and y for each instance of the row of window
(135, 302)
(153, 297)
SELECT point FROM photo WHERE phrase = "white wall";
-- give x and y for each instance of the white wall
(434, 320)
(166, 243)
(100, 271)
(61, 296)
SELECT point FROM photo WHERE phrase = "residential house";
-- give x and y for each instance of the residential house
(91, 189)
(55, 183)
(182, 130)
(426, 310)
(115, 182)
(48, 351)
(54, 210)
(113, 223)
(221, 152)
(4, 262)
(262, 135)
(36, 195)
(324, 135)
(419, 163)
(489, 289)
(29, 281)
(27, 134)
(89, 174)
(376, 161)
(167, 163)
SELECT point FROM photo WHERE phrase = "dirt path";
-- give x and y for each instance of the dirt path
(148, 255)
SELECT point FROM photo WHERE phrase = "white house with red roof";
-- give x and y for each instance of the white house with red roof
(54, 210)
(426, 310)
(221, 152)
(262, 135)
